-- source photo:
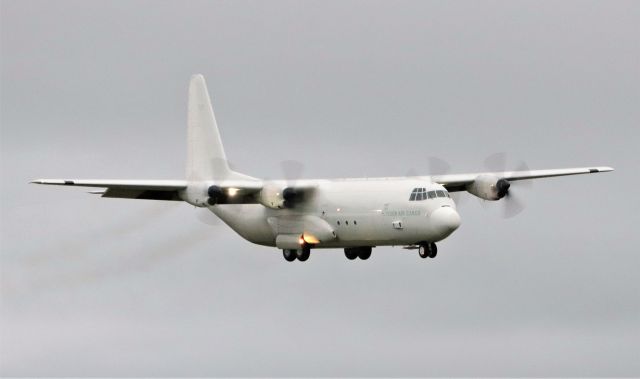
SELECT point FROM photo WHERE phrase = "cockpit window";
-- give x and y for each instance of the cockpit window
(419, 194)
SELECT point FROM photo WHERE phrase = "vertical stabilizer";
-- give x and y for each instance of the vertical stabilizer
(206, 159)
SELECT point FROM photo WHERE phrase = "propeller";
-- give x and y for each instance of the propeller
(215, 195)
(207, 217)
(512, 205)
(438, 166)
(292, 171)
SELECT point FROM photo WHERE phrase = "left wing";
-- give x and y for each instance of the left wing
(129, 189)
(459, 182)
(233, 191)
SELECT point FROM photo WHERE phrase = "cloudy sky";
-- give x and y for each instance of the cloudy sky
(113, 287)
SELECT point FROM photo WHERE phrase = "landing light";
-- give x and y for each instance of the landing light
(232, 191)
(308, 238)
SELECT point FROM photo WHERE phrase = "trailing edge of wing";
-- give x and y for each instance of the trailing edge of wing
(457, 182)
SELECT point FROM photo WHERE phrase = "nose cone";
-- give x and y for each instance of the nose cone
(445, 220)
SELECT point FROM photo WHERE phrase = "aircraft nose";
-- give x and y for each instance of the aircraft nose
(446, 219)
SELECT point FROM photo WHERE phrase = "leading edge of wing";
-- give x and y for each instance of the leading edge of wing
(456, 180)
(166, 185)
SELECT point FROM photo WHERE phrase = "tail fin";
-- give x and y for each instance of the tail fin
(206, 159)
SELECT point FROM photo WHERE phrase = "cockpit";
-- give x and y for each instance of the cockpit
(419, 194)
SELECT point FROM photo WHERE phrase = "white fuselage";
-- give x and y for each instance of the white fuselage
(360, 212)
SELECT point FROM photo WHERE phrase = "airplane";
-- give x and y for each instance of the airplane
(305, 215)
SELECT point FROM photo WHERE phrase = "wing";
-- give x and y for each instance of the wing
(128, 189)
(241, 191)
(459, 182)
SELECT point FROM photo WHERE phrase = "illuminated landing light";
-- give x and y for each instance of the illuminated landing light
(232, 191)
(310, 239)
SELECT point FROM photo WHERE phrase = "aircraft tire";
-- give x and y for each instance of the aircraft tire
(303, 254)
(364, 253)
(423, 250)
(351, 253)
(433, 250)
(289, 255)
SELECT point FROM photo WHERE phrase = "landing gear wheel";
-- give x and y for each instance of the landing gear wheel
(364, 253)
(351, 253)
(289, 255)
(423, 250)
(303, 253)
(433, 250)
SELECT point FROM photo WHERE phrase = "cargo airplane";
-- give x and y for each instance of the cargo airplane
(307, 215)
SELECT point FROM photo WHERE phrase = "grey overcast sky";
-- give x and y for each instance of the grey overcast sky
(113, 287)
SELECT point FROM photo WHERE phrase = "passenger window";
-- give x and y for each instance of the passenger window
(346, 222)
(432, 194)
(338, 222)
(440, 193)
(354, 222)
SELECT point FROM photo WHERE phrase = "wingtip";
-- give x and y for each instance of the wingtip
(36, 181)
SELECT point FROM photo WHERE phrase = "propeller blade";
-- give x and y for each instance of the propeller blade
(512, 206)
(207, 217)
(496, 162)
(459, 198)
(522, 166)
(411, 172)
(438, 166)
(292, 170)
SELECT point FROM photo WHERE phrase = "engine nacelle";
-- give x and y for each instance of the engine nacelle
(195, 194)
(489, 187)
(272, 196)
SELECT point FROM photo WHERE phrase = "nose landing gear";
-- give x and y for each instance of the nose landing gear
(427, 250)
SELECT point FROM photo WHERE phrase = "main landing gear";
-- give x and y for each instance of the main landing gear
(301, 254)
(427, 250)
(363, 252)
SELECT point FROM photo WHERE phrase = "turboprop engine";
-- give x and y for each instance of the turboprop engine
(489, 187)
(275, 197)
(272, 196)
